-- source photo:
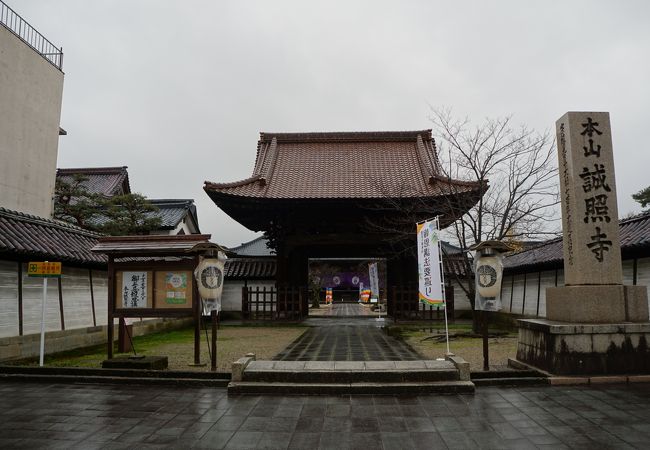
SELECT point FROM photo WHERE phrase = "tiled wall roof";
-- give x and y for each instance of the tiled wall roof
(26, 236)
(635, 237)
(256, 268)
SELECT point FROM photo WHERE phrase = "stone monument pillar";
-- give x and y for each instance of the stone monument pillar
(595, 324)
(593, 274)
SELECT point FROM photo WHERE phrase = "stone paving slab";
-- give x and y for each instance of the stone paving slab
(86, 416)
(352, 340)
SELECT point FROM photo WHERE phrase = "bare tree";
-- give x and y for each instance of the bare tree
(517, 170)
(518, 165)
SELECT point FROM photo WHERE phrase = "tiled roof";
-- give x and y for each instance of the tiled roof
(256, 247)
(635, 237)
(344, 165)
(259, 268)
(108, 181)
(26, 236)
(173, 211)
(155, 245)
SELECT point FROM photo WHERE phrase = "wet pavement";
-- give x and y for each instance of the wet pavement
(347, 339)
(117, 417)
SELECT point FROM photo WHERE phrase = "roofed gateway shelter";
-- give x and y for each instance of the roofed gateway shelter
(344, 195)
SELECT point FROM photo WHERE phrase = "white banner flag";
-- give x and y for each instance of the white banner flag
(429, 263)
(374, 279)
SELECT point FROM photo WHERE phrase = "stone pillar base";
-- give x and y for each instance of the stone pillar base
(597, 304)
(584, 349)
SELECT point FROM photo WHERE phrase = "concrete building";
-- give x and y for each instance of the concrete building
(31, 89)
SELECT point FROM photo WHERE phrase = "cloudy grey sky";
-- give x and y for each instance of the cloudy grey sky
(179, 90)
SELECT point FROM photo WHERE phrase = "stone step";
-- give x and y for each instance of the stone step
(510, 381)
(479, 375)
(336, 372)
(95, 379)
(90, 371)
(437, 387)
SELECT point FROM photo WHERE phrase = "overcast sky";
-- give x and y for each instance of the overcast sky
(178, 91)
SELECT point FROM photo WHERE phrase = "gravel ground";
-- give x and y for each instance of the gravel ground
(232, 344)
(471, 349)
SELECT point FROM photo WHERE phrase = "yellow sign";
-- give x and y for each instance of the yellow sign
(44, 269)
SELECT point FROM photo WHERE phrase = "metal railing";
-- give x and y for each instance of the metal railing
(28, 34)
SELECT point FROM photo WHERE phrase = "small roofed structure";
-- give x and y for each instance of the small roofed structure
(177, 216)
(107, 181)
(153, 276)
(341, 194)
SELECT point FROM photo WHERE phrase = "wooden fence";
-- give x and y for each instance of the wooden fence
(273, 303)
(403, 304)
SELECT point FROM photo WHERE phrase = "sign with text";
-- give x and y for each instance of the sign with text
(592, 252)
(430, 278)
(44, 269)
(134, 289)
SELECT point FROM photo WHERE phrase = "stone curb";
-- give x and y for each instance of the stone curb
(616, 379)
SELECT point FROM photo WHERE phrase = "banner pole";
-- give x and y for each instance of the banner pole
(442, 280)
(42, 350)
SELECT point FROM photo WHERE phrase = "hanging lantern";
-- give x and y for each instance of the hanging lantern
(489, 272)
(209, 275)
(488, 269)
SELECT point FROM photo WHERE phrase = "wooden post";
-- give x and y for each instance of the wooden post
(92, 296)
(20, 298)
(244, 302)
(213, 317)
(486, 356)
(196, 302)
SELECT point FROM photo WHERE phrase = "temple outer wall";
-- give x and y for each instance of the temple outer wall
(28, 346)
(31, 91)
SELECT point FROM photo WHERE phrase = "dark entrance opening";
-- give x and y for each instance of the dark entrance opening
(341, 287)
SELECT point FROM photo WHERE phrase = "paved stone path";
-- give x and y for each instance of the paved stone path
(346, 340)
(120, 417)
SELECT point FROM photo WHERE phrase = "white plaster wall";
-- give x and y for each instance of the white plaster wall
(100, 290)
(506, 289)
(32, 301)
(530, 308)
(8, 298)
(628, 271)
(548, 280)
(30, 110)
(518, 294)
(461, 302)
(643, 274)
(77, 304)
